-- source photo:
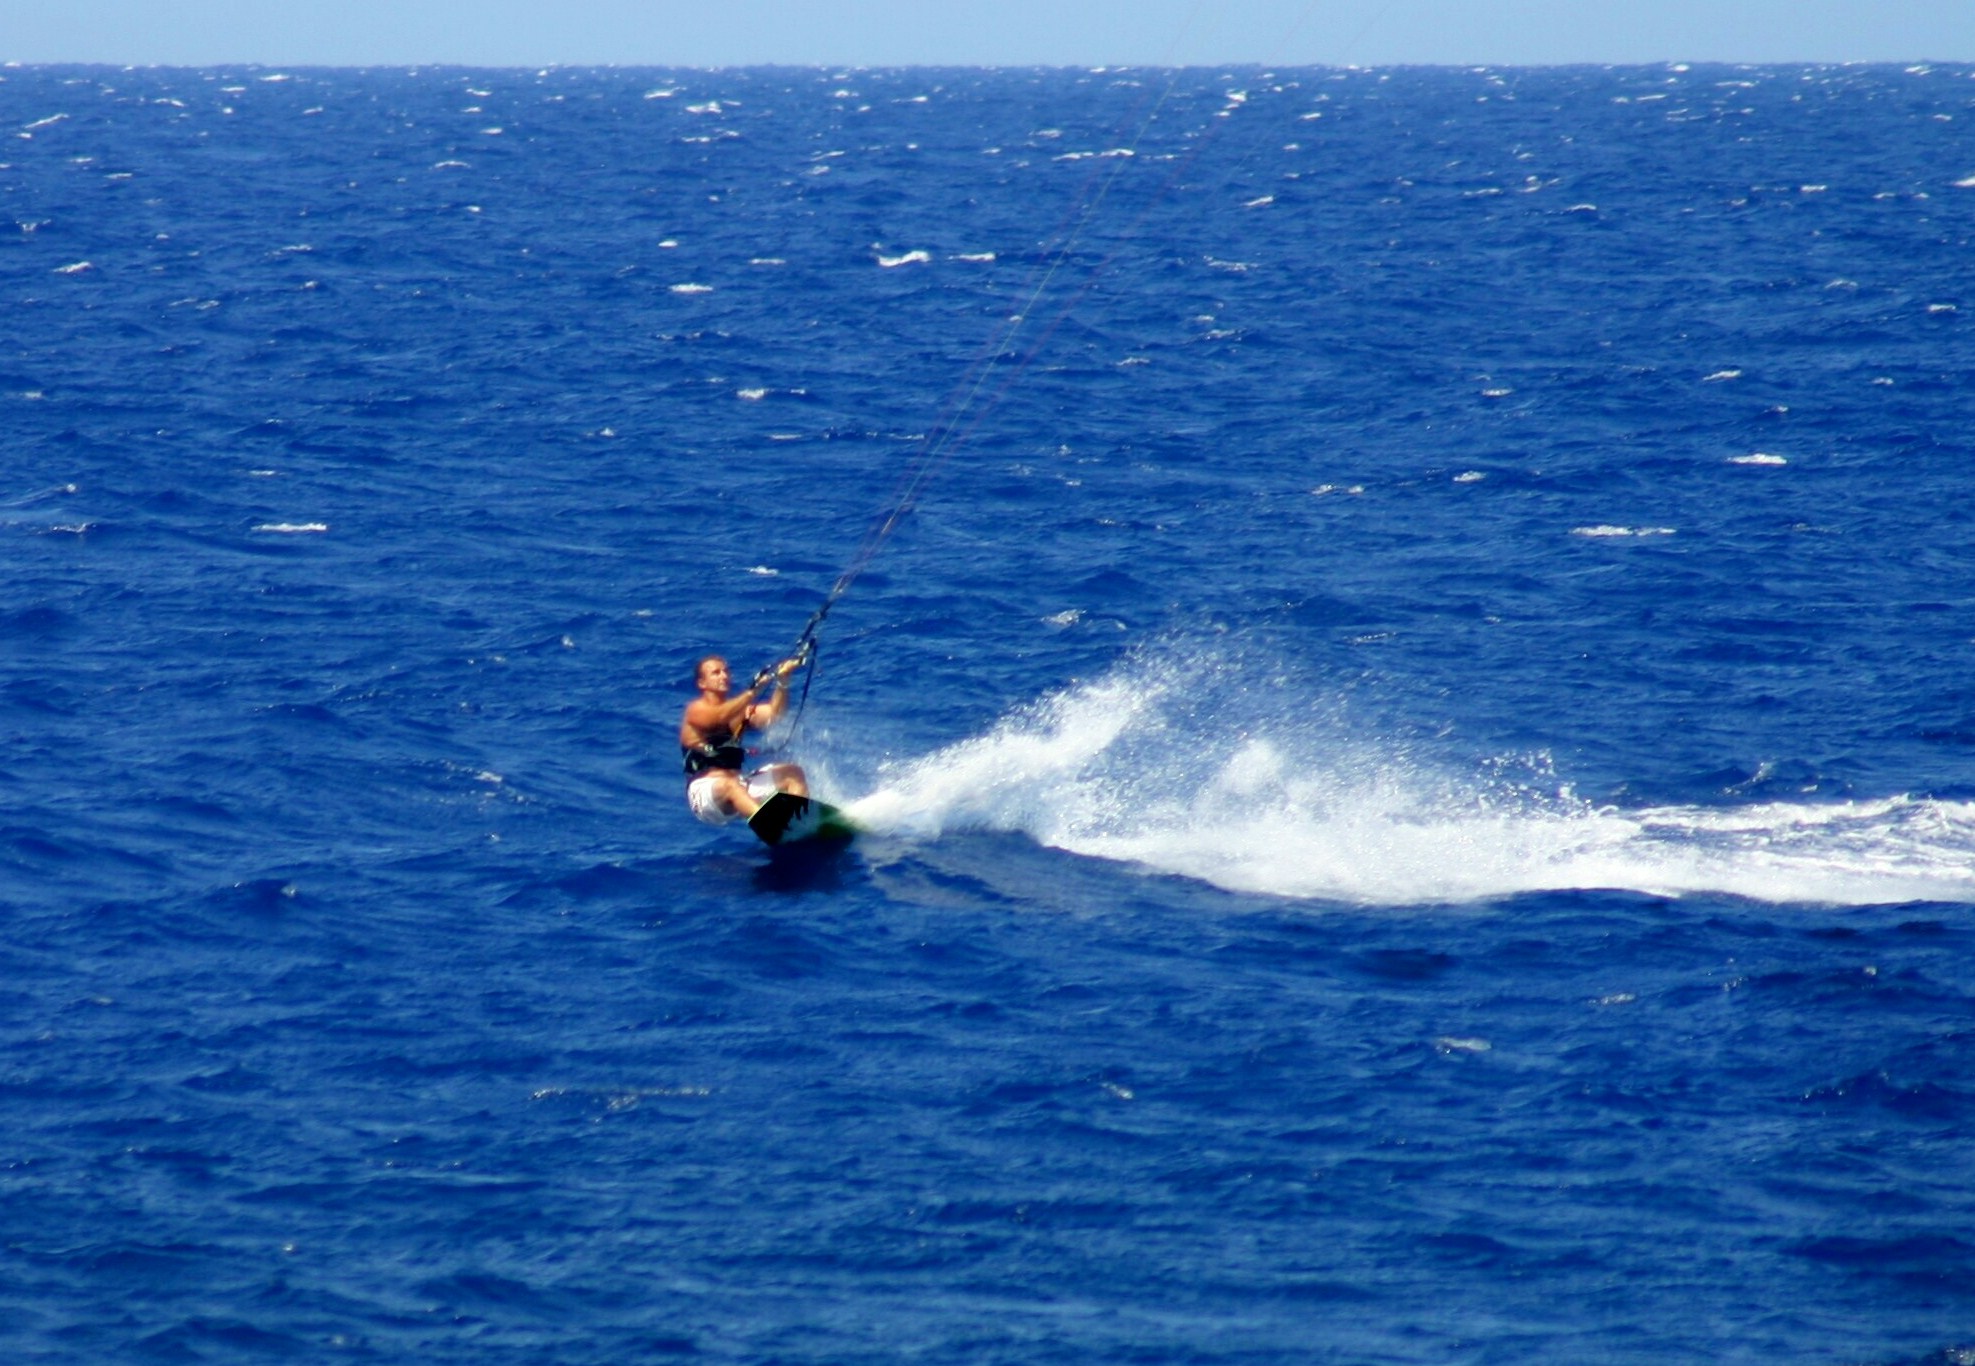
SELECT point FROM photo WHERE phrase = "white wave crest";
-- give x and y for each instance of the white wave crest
(1607, 531)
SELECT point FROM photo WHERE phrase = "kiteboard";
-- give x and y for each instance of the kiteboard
(788, 819)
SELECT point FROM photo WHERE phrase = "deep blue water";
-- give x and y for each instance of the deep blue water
(1418, 738)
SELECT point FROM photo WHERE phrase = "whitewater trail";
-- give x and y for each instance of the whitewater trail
(1112, 769)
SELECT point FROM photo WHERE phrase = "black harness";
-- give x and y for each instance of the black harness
(721, 749)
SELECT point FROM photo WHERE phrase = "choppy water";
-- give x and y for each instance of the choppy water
(1417, 741)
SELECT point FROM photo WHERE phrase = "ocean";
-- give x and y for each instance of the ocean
(1413, 722)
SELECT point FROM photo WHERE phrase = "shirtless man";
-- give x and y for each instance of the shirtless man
(710, 736)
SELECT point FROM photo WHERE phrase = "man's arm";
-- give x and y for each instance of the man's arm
(730, 715)
(766, 714)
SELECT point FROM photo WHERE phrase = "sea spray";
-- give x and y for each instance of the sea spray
(1037, 768)
(1176, 763)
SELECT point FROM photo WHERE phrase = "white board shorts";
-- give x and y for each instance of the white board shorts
(702, 795)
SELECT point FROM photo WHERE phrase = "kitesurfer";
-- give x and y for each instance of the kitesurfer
(711, 739)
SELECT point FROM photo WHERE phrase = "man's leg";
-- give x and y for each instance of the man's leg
(789, 778)
(733, 792)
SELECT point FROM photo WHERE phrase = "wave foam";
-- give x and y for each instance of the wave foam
(1147, 768)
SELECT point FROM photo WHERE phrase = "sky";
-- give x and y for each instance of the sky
(535, 33)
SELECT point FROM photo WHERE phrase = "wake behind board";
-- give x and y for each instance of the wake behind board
(788, 819)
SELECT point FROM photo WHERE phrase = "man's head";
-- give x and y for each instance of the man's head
(711, 672)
